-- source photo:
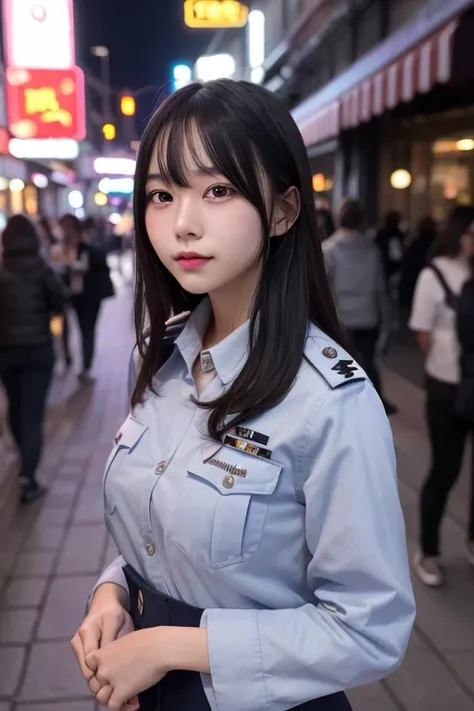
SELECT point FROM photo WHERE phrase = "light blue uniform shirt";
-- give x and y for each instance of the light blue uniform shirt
(299, 561)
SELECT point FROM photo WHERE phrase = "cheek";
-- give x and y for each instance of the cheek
(243, 236)
(156, 231)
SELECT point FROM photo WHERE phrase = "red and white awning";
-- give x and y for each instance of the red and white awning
(416, 72)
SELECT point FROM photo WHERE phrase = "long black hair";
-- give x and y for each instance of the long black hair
(245, 131)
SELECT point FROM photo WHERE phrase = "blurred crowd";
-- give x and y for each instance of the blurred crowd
(388, 279)
(383, 280)
(50, 274)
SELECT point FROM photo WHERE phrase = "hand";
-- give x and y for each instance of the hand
(102, 626)
(128, 666)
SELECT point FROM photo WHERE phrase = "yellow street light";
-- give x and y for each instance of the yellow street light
(127, 105)
(109, 131)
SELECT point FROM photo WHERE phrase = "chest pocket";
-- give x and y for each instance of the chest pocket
(126, 439)
(223, 507)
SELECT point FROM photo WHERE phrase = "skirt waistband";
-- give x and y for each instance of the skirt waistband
(150, 608)
(182, 690)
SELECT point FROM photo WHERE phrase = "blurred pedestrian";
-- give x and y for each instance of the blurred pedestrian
(94, 233)
(390, 240)
(325, 223)
(433, 319)
(415, 258)
(465, 333)
(359, 287)
(88, 279)
(47, 237)
(30, 293)
(252, 490)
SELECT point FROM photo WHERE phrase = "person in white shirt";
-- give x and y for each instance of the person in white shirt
(433, 318)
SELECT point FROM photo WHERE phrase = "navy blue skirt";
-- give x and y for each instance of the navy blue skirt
(182, 690)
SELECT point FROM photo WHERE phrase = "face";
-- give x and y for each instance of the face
(207, 235)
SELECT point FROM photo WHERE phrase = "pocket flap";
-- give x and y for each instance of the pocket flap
(234, 472)
(130, 432)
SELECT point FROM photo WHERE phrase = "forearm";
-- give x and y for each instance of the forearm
(185, 648)
(113, 576)
(109, 594)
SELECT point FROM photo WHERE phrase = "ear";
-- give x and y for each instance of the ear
(286, 211)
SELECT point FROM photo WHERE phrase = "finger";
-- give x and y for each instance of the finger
(103, 697)
(116, 701)
(90, 637)
(92, 662)
(95, 685)
(78, 649)
(132, 705)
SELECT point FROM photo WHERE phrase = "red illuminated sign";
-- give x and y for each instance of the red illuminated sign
(46, 103)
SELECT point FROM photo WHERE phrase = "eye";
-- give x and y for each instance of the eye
(160, 197)
(219, 192)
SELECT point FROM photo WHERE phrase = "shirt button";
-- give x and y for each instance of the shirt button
(228, 481)
(150, 549)
(160, 468)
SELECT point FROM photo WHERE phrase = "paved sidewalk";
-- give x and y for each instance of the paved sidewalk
(53, 554)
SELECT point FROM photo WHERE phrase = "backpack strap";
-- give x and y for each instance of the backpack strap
(451, 297)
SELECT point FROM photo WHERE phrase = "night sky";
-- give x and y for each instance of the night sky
(145, 39)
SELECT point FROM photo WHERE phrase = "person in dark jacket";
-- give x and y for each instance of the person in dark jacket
(389, 239)
(88, 279)
(30, 293)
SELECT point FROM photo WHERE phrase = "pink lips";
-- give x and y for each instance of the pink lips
(192, 260)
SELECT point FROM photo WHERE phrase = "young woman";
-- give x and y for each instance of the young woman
(30, 293)
(433, 319)
(252, 490)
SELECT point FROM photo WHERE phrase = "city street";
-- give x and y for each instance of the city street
(51, 555)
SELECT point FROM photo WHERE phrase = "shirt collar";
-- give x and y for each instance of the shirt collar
(229, 356)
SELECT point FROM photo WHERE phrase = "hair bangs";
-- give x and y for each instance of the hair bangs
(200, 135)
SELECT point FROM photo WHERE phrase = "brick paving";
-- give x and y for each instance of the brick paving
(52, 554)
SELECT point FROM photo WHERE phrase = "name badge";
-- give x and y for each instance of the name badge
(252, 435)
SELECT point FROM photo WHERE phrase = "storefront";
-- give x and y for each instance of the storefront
(392, 151)
(323, 165)
(427, 167)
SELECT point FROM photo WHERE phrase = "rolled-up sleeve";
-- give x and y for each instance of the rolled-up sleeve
(112, 574)
(357, 629)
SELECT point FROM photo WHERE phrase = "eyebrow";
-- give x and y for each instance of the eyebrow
(211, 170)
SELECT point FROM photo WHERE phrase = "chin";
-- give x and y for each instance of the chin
(195, 284)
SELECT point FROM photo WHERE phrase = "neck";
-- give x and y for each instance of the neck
(231, 307)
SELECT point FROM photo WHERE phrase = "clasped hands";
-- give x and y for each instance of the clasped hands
(117, 662)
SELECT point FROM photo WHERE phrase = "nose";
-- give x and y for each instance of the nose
(188, 225)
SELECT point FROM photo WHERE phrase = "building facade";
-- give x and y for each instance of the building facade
(381, 91)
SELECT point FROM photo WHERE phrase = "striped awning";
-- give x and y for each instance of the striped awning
(415, 72)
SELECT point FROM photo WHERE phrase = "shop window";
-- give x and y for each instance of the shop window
(450, 185)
